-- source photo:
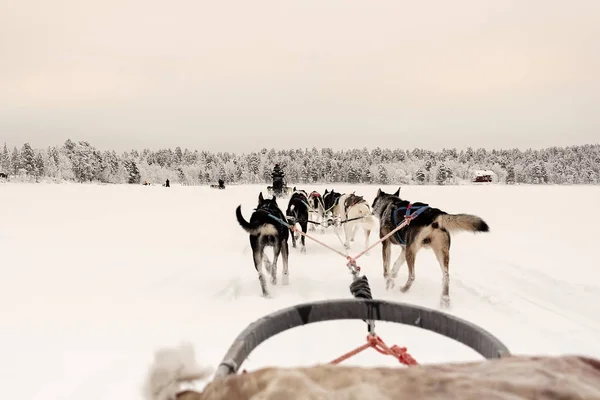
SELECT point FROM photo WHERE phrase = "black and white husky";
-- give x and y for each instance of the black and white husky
(429, 229)
(297, 213)
(267, 227)
(330, 201)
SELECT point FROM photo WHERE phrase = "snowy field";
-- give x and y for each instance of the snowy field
(96, 278)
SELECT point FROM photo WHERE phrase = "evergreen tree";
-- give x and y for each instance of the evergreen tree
(6, 164)
(353, 175)
(441, 175)
(368, 176)
(382, 175)
(510, 176)
(133, 173)
(38, 166)
(181, 176)
(27, 159)
(420, 176)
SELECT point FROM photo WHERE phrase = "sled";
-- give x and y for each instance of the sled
(285, 191)
(220, 186)
(444, 324)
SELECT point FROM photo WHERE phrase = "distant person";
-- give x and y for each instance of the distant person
(221, 184)
(277, 175)
(167, 183)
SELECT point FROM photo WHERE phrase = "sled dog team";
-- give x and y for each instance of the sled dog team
(430, 228)
(269, 226)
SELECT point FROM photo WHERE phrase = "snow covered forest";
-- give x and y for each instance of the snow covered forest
(82, 162)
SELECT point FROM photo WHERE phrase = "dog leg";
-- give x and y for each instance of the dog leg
(258, 260)
(391, 281)
(386, 252)
(303, 238)
(367, 235)
(441, 249)
(293, 234)
(285, 252)
(315, 217)
(267, 264)
(347, 235)
(353, 234)
(410, 255)
(321, 218)
(276, 251)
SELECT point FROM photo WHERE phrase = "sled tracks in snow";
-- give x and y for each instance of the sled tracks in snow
(444, 324)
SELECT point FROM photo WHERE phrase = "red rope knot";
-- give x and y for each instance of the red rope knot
(397, 352)
(352, 263)
(402, 355)
(376, 343)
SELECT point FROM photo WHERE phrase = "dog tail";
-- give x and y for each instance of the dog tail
(462, 222)
(171, 367)
(247, 226)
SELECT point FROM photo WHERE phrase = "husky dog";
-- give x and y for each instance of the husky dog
(316, 209)
(297, 213)
(430, 229)
(354, 212)
(266, 231)
(331, 200)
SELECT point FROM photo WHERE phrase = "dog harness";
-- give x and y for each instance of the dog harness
(351, 201)
(418, 210)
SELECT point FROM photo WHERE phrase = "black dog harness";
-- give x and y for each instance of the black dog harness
(419, 209)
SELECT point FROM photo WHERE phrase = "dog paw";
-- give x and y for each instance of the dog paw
(445, 301)
(389, 284)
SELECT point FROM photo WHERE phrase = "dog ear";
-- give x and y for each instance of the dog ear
(274, 199)
(294, 189)
(379, 192)
(397, 192)
(261, 199)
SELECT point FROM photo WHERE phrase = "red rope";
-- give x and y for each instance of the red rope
(352, 260)
(375, 342)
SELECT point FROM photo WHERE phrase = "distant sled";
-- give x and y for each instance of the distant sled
(220, 186)
(282, 191)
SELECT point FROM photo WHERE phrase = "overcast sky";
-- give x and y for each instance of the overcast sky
(240, 75)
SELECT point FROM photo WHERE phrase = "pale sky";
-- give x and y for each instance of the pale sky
(239, 75)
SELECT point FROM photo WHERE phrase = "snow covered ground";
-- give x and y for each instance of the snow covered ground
(96, 278)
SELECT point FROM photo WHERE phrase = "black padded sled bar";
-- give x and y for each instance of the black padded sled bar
(270, 325)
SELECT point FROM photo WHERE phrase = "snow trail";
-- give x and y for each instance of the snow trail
(95, 278)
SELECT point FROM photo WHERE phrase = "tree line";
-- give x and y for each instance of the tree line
(82, 162)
